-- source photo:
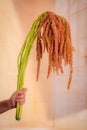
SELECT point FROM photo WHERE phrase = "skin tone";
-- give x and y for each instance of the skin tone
(17, 96)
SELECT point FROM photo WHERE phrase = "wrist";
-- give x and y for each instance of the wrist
(6, 105)
(9, 104)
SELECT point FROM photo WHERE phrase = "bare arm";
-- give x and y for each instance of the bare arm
(5, 106)
(18, 96)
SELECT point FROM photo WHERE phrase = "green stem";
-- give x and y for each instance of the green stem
(23, 59)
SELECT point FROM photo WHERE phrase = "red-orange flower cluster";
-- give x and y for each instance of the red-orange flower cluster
(54, 36)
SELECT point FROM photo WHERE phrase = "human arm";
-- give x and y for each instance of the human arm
(17, 96)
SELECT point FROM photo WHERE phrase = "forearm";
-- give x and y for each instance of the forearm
(5, 106)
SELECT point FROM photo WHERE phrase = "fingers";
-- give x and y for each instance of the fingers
(21, 91)
(20, 98)
(21, 101)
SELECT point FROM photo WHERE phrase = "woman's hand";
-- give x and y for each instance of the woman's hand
(17, 96)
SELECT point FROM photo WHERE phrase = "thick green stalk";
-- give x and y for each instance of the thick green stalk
(23, 59)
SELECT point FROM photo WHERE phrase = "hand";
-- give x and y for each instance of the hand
(17, 96)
